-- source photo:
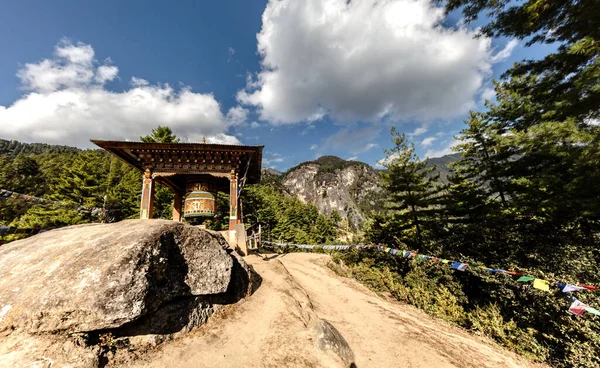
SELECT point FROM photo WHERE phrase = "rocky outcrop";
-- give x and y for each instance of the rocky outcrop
(137, 282)
(351, 188)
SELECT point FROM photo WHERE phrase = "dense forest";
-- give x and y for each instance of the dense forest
(82, 186)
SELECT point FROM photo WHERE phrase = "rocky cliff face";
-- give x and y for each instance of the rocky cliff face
(351, 188)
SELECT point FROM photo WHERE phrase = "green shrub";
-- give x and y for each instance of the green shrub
(531, 322)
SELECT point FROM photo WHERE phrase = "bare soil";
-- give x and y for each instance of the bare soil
(273, 327)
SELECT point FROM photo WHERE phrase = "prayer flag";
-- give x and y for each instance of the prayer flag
(569, 288)
(589, 287)
(513, 273)
(387, 250)
(541, 284)
(593, 311)
(525, 278)
(578, 307)
(495, 271)
(459, 266)
(445, 261)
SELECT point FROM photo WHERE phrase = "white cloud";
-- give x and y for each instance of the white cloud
(418, 131)
(139, 82)
(254, 125)
(428, 141)
(353, 158)
(368, 147)
(106, 73)
(272, 159)
(488, 94)
(505, 52)
(386, 160)
(313, 147)
(350, 140)
(237, 115)
(442, 151)
(230, 53)
(67, 103)
(369, 60)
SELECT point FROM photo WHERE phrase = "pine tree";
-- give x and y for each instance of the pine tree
(413, 192)
(162, 134)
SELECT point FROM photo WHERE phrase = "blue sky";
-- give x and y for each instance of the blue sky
(302, 78)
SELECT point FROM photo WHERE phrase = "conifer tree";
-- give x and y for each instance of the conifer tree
(162, 134)
(413, 193)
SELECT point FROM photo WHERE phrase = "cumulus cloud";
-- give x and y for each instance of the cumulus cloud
(350, 140)
(443, 151)
(272, 159)
(418, 131)
(66, 102)
(488, 94)
(505, 52)
(237, 115)
(370, 60)
(428, 141)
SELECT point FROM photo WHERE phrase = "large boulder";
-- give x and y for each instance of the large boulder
(128, 279)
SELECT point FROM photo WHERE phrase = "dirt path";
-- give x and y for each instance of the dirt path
(271, 328)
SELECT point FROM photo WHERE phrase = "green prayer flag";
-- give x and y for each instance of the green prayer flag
(593, 311)
(525, 279)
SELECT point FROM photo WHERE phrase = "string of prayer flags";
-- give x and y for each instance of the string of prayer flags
(459, 266)
(541, 284)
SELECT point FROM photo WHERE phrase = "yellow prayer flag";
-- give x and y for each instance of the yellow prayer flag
(387, 250)
(541, 284)
(445, 261)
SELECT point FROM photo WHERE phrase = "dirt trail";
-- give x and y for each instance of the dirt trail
(272, 328)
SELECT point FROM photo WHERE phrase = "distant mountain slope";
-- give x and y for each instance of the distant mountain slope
(351, 188)
(442, 165)
(15, 148)
(330, 183)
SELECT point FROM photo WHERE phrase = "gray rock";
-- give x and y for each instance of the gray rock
(96, 277)
(74, 295)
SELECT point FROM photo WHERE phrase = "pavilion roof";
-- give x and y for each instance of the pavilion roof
(188, 158)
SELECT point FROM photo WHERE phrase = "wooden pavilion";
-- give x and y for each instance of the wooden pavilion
(195, 172)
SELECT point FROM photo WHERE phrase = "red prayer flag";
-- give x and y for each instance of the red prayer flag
(589, 287)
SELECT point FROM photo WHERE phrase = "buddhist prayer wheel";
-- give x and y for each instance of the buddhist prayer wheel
(194, 172)
(200, 199)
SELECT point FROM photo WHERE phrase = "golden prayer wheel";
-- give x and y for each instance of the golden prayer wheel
(200, 200)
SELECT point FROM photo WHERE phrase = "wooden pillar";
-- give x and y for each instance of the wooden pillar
(147, 205)
(177, 201)
(233, 200)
